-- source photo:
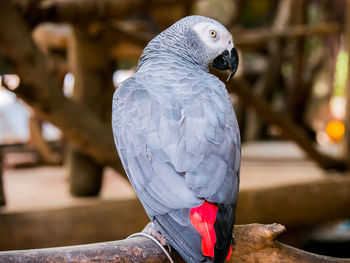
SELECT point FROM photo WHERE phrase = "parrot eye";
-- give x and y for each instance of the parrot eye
(212, 33)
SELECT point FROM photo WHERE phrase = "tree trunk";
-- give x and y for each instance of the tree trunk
(93, 88)
(300, 92)
(85, 175)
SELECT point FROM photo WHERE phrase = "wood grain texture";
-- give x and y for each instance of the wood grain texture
(255, 243)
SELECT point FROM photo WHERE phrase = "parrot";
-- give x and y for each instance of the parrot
(178, 139)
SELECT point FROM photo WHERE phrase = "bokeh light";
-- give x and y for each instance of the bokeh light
(335, 130)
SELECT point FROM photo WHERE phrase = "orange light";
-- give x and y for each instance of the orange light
(335, 130)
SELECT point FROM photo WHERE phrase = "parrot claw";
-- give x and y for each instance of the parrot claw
(151, 230)
(233, 242)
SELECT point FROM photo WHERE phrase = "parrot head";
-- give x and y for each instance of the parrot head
(197, 39)
(219, 44)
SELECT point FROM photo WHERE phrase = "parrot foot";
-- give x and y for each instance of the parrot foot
(152, 233)
(233, 242)
(151, 230)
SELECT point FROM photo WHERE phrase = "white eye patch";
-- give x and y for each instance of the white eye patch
(213, 36)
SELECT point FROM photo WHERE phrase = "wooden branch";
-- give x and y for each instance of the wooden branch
(48, 36)
(135, 37)
(248, 38)
(258, 37)
(245, 39)
(255, 243)
(138, 249)
(41, 91)
(46, 153)
(289, 128)
(85, 11)
(300, 93)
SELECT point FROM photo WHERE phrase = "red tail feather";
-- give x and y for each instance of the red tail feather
(203, 219)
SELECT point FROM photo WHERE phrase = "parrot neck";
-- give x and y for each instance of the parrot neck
(160, 59)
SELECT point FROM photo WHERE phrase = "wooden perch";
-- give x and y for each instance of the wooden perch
(255, 243)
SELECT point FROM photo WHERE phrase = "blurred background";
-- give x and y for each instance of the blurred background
(61, 182)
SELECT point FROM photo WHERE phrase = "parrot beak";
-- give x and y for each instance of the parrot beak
(227, 60)
(234, 59)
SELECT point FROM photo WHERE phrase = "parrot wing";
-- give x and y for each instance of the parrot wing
(180, 151)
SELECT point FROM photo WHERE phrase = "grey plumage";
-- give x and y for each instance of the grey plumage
(177, 134)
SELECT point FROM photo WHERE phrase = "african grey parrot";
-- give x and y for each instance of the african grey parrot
(178, 139)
